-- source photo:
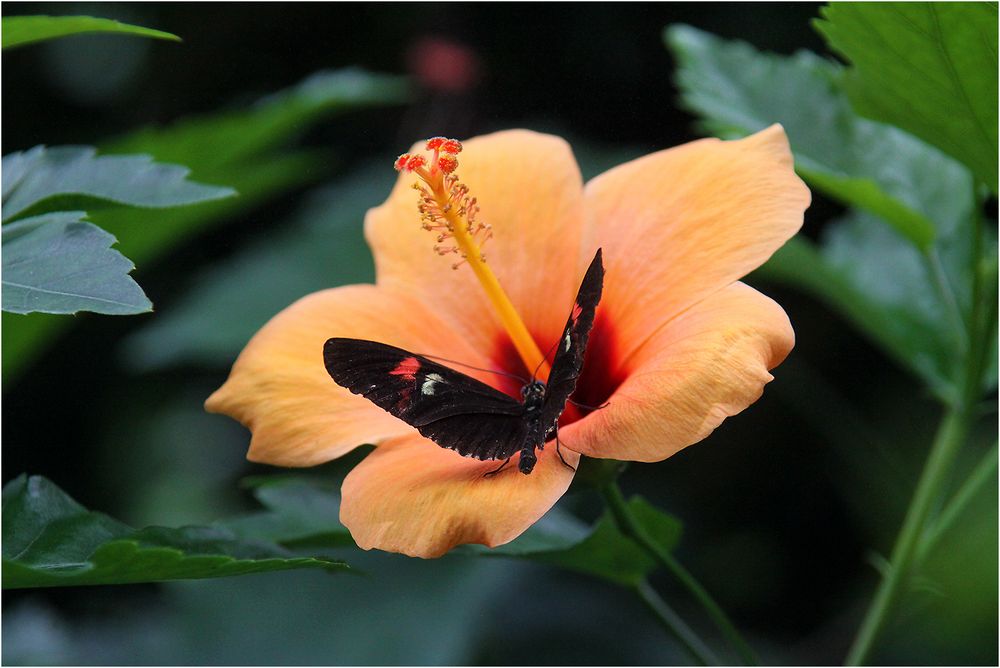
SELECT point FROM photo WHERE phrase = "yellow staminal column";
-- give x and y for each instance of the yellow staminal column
(446, 207)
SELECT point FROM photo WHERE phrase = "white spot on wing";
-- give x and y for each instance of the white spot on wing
(429, 383)
(566, 342)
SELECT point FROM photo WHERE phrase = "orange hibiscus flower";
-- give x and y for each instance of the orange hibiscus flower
(678, 345)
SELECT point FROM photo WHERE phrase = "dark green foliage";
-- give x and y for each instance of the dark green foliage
(50, 540)
(45, 179)
(908, 297)
(301, 513)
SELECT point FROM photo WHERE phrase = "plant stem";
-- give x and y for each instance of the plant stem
(950, 436)
(939, 278)
(629, 526)
(671, 621)
(984, 472)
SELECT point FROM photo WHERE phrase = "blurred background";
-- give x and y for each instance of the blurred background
(786, 508)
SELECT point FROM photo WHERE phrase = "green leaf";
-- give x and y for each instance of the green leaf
(51, 540)
(72, 177)
(880, 285)
(241, 148)
(298, 513)
(21, 30)
(928, 67)
(909, 298)
(209, 142)
(559, 539)
(57, 263)
(738, 90)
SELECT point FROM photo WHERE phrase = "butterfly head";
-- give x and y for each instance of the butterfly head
(533, 394)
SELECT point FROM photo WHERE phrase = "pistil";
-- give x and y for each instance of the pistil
(447, 208)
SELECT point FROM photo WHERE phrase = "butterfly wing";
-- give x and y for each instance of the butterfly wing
(452, 409)
(568, 361)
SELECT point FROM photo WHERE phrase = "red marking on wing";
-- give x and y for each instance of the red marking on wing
(407, 368)
(576, 312)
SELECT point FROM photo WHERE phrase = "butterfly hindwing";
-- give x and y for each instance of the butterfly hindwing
(479, 435)
(568, 361)
(454, 410)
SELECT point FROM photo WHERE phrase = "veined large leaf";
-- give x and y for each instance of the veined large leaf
(75, 177)
(909, 295)
(927, 67)
(57, 263)
(51, 540)
(737, 91)
(21, 30)
(240, 148)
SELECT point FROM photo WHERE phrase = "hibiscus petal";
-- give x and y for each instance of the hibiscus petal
(413, 497)
(530, 190)
(280, 390)
(680, 224)
(708, 363)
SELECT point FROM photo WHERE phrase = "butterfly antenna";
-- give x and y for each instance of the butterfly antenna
(477, 368)
(535, 372)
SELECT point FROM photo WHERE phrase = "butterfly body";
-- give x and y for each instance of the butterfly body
(459, 412)
(533, 399)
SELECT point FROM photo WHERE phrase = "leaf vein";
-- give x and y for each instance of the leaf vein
(66, 294)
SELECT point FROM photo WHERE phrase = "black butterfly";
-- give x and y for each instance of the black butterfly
(459, 412)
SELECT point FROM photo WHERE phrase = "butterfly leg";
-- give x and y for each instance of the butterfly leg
(490, 474)
(559, 452)
(589, 408)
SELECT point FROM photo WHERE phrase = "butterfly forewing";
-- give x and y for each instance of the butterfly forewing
(410, 386)
(568, 361)
(452, 409)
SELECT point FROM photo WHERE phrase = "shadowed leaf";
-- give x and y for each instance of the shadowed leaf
(57, 263)
(737, 91)
(75, 177)
(50, 540)
(908, 297)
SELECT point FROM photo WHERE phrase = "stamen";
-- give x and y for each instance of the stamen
(446, 207)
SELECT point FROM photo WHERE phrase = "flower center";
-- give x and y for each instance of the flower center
(447, 209)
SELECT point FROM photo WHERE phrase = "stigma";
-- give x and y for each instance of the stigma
(446, 207)
(450, 212)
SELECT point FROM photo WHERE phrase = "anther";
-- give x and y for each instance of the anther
(451, 146)
(447, 163)
(415, 162)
